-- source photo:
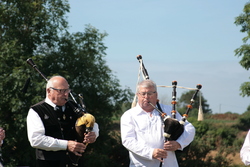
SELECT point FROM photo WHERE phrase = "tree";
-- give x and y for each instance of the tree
(185, 99)
(244, 50)
(219, 138)
(84, 54)
(244, 120)
(25, 26)
(38, 30)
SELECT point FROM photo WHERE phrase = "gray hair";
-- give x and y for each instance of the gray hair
(146, 84)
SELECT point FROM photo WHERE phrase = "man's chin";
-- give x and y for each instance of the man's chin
(146, 104)
(147, 108)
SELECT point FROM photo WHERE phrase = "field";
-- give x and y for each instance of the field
(227, 120)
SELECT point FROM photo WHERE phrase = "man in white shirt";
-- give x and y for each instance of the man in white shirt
(142, 131)
(245, 150)
(51, 130)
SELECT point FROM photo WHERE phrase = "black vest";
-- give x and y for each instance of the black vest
(57, 124)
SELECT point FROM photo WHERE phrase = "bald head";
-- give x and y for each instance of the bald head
(56, 81)
(57, 90)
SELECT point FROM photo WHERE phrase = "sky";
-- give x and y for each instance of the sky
(192, 42)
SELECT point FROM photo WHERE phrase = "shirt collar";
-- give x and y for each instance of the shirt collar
(47, 100)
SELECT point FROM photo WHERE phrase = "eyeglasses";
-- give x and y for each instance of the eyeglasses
(143, 94)
(62, 90)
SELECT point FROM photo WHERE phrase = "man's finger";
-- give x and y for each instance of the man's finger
(78, 154)
(160, 159)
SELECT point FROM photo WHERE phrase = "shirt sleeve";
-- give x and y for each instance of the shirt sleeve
(96, 129)
(245, 150)
(37, 137)
(130, 141)
(188, 134)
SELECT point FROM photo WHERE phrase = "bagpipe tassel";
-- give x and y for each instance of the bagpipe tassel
(200, 112)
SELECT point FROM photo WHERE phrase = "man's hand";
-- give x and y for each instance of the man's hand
(76, 148)
(90, 137)
(171, 145)
(159, 154)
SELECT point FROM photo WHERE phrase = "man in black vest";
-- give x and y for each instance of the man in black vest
(51, 128)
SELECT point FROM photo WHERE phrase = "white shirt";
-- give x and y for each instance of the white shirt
(245, 150)
(36, 133)
(142, 133)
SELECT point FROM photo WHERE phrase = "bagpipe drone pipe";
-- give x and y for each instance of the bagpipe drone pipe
(173, 128)
(85, 121)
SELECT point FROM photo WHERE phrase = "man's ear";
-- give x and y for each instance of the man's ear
(48, 90)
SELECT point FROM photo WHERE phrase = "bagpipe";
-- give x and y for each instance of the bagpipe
(85, 121)
(172, 127)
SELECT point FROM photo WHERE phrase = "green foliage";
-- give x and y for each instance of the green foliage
(243, 122)
(201, 128)
(25, 25)
(185, 99)
(244, 50)
(211, 146)
(245, 89)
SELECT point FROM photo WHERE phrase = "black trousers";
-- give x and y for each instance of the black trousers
(44, 163)
(51, 163)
